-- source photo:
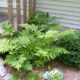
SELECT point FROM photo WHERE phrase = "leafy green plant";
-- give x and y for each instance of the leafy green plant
(54, 74)
(31, 47)
(70, 40)
(8, 29)
(44, 21)
(49, 68)
(33, 76)
(15, 77)
(4, 46)
(71, 60)
(58, 76)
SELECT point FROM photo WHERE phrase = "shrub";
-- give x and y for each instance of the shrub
(71, 60)
(70, 40)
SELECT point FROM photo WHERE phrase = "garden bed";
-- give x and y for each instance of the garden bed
(69, 73)
(40, 41)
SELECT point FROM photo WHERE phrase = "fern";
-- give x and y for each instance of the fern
(8, 29)
(30, 47)
(16, 61)
(4, 45)
(44, 21)
(47, 55)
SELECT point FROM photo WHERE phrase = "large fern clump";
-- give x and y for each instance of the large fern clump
(29, 47)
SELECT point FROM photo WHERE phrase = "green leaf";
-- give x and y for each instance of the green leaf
(4, 45)
(15, 61)
(8, 29)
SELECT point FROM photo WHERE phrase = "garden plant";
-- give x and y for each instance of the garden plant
(38, 42)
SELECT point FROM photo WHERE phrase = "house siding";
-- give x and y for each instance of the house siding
(68, 11)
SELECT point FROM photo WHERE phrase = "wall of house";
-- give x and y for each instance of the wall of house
(68, 11)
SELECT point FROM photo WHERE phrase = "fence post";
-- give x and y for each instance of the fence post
(18, 8)
(33, 6)
(10, 11)
(30, 7)
(25, 11)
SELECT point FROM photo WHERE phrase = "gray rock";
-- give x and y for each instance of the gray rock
(7, 77)
(3, 71)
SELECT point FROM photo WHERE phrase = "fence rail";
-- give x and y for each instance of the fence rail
(26, 10)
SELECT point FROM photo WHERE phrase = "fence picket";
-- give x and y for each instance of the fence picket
(10, 11)
(26, 11)
(18, 9)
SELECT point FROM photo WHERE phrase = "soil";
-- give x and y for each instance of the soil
(69, 73)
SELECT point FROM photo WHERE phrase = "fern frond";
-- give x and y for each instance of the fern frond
(4, 46)
(8, 29)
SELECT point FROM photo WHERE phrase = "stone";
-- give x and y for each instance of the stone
(3, 71)
(1, 78)
(7, 77)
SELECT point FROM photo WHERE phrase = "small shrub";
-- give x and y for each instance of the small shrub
(71, 60)
(70, 40)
